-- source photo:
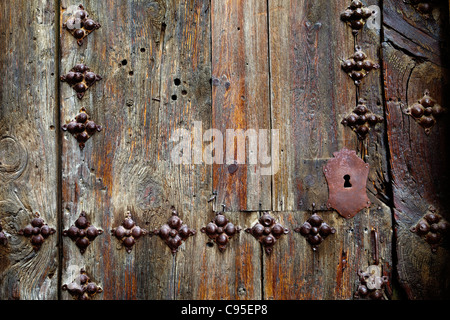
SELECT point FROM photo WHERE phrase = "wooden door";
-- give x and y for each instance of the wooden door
(184, 73)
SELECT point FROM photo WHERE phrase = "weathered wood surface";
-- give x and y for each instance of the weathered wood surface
(310, 97)
(197, 65)
(240, 92)
(413, 61)
(28, 147)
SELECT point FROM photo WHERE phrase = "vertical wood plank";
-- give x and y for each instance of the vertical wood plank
(118, 170)
(240, 93)
(310, 96)
(28, 148)
(309, 93)
(413, 61)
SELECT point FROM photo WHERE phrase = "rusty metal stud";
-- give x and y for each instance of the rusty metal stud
(220, 230)
(37, 231)
(426, 111)
(346, 175)
(315, 230)
(79, 24)
(82, 288)
(267, 231)
(174, 232)
(432, 227)
(81, 127)
(3, 238)
(356, 16)
(80, 78)
(128, 232)
(358, 66)
(361, 120)
(82, 233)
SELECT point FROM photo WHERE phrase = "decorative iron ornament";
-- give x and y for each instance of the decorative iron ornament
(346, 175)
(80, 25)
(82, 128)
(432, 227)
(82, 233)
(82, 288)
(267, 231)
(358, 66)
(37, 231)
(315, 230)
(174, 232)
(80, 78)
(220, 230)
(426, 111)
(356, 16)
(128, 232)
(361, 120)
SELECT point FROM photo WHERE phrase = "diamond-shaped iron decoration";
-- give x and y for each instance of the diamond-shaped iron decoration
(82, 288)
(346, 176)
(82, 233)
(80, 78)
(37, 231)
(128, 232)
(432, 227)
(267, 231)
(358, 66)
(220, 230)
(174, 232)
(82, 128)
(3, 238)
(371, 283)
(315, 230)
(80, 25)
(426, 111)
(356, 15)
(361, 120)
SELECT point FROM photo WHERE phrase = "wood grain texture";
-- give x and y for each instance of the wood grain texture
(28, 148)
(240, 94)
(418, 161)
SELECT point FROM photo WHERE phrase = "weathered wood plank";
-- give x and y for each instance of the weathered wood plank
(28, 147)
(118, 170)
(240, 93)
(310, 96)
(419, 162)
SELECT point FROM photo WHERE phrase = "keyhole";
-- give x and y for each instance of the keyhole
(347, 183)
